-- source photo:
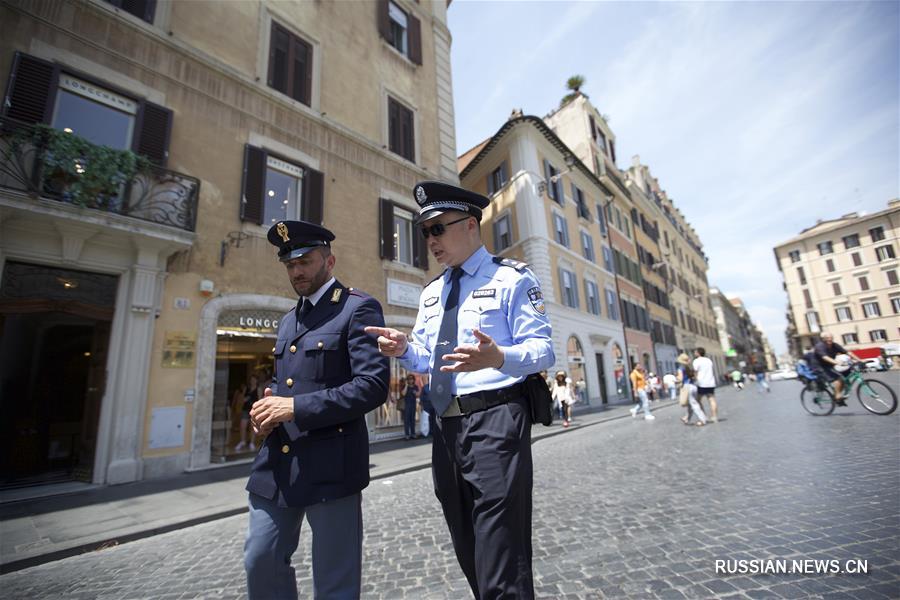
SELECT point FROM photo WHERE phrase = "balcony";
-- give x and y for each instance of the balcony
(38, 161)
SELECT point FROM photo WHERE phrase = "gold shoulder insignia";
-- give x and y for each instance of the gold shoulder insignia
(336, 295)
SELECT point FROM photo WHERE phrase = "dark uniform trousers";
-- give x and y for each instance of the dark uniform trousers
(482, 469)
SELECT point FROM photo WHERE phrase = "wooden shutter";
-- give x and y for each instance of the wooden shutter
(612, 151)
(593, 127)
(142, 9)
(420, 249)
(548, 173)
(31, 89)
(254, 184)
(301, 70)
(490, 183)
(313, 202)
(386, 219)
(384, 19)
(414, 38)
(393, 126)
(154, 130)
(408, 133)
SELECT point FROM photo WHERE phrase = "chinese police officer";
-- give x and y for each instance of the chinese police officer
(315, 460)
(481, 329)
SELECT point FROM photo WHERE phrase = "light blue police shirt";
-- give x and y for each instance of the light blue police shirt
(500, 301)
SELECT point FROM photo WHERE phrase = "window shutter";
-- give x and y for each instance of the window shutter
(313, 203)
(273, 37)
(612, 151)
(547, 175)
(587, 297)
(575, 290)
(393, 126)
(593, 127)
(409, 134)
(384, 20)
(490, 184)
(154, 130)
(386, 217)
(415, 39)
(301, 55)
(504, 172)
(31, 89)
(253, 185)
(420, 249)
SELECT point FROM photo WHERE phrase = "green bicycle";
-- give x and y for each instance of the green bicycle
(876, 396)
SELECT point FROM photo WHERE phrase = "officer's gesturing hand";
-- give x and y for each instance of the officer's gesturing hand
(267, 412)
(486, 355)
(391, 342)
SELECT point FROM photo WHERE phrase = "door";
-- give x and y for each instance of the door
(601, 376)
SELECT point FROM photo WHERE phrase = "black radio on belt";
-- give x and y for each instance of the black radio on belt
(539, 399)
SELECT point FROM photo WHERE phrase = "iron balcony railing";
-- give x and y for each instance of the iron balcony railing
(39, 161)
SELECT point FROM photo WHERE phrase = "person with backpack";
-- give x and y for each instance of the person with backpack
(688, 395)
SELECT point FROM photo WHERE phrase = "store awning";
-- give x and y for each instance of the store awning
(865, 353)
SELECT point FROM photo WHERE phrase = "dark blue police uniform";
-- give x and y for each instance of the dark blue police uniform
(317, 464)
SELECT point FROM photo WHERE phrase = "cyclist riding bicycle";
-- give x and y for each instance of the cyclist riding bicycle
(828, 366)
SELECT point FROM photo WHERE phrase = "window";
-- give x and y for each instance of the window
(569, 288)
(871, 309)
(857, 260)
(851, 241)
(824, 248)
(601, 219)
(812, 321)
(93, 113)
(884, 252)
(607, 260)
(863, 283)
(801, 275)
(561, 229)
(401, 29)
(601, 141)
(877, 234)
(878, 335)
(892, 277)
(400, 239)
(497, 179)
(578, 196)
(795, 256)
(836, 288)
(275, 189)
(829, 265)
(895, 305)
(843, 313)
(401, 130)
(850, 338)
(592, 297)
(290, 65)
(627, 227)
(807, 299)
(554, 188)
(142, 9)
(612, 305)
(587, 246)
(502, 234)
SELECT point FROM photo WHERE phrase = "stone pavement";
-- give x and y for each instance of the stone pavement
(41, 530)
(624, 509)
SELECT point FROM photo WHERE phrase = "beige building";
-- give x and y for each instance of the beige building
(583, 129)
(841, 276)
(146, 286)
(552, 222)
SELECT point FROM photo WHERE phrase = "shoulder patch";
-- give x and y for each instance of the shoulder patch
(536, 297)
(508, 262)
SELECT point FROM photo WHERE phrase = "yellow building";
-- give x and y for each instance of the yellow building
(138, 294)
(546, 210)
(841, 276)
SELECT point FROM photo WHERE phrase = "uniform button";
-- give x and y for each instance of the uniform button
(285, 449)
(293, 349)
(273, 349)
(340, 430)
(320, 345)
(350, 289)
(289, 382)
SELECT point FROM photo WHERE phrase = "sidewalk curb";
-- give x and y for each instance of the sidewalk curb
(117, 540)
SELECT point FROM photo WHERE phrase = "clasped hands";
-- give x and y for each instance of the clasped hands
(466, 357)
(267, 412)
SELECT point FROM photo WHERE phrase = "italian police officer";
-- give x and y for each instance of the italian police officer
(315, 460)
(480, 330)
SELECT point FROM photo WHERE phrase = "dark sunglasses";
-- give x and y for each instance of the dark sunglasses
(438, 229)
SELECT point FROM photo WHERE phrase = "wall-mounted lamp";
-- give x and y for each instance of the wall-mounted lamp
(233, 238)
(570, 164)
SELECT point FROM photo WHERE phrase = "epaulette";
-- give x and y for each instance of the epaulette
(508, 262)
(357, 292)
(439, 275)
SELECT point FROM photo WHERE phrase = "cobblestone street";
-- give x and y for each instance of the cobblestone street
(625, 509)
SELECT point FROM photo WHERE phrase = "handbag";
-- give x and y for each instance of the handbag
(539, 399)
(684, 394)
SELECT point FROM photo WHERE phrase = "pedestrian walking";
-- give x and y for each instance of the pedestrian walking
(760, 375)
(670, 381)
(706, 382)
(639, 385)
(563, 396)
(410, 400)
(315, 458)
(427, 414)
(688, 394)
(737, 378)
(481, 329)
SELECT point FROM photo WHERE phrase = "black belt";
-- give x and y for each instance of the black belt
(471, 403)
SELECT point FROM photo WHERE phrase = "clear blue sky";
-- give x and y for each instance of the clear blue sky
(757, 118)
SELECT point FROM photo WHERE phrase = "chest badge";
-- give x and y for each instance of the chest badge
(536, 297)
(485, 293)
(430, 301)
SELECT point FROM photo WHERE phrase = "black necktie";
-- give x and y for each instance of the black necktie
(446, 342)
(304, 309)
